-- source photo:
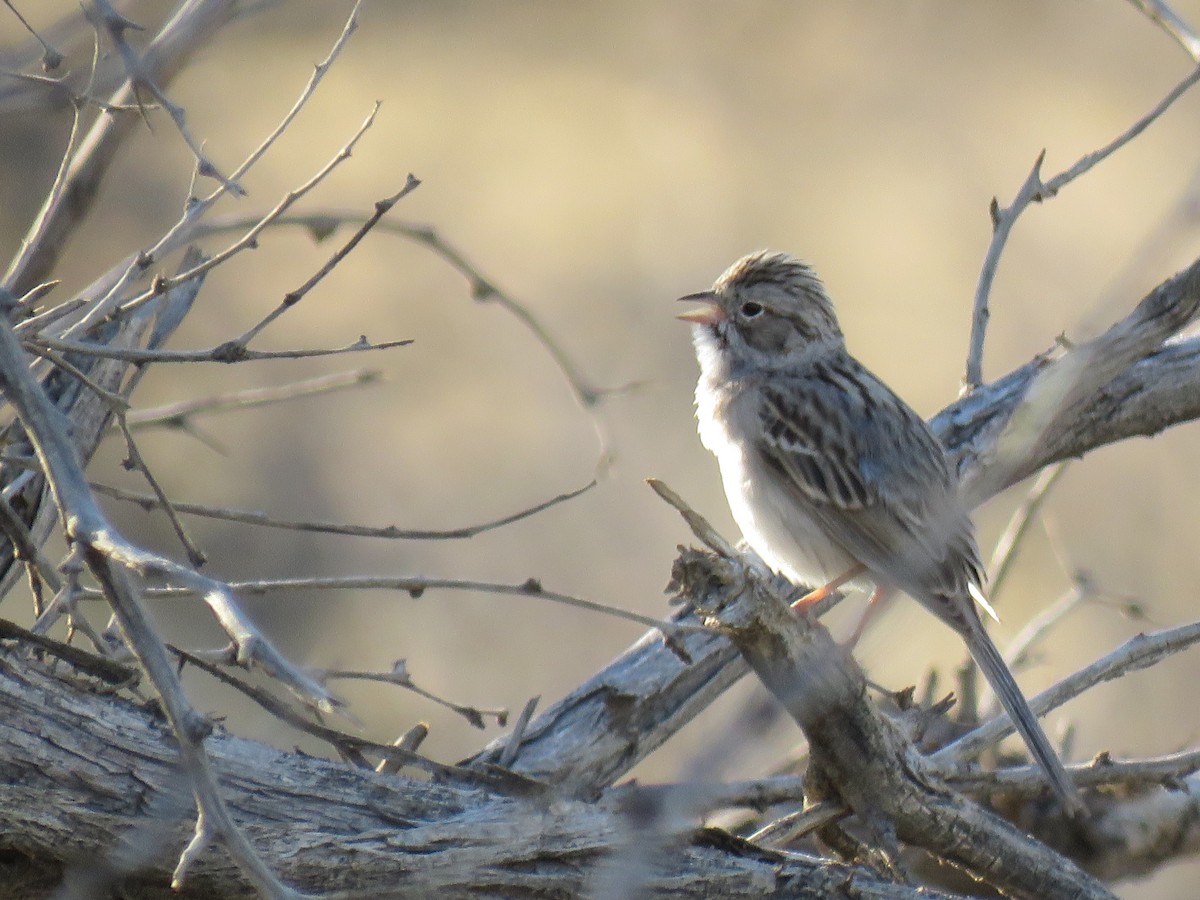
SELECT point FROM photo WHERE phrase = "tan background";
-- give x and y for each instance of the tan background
(597, 161)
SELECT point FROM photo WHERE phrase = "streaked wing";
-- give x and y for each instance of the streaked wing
(869, 471)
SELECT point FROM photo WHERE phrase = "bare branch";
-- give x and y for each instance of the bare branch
(225, 353)
(416, 586)
(344, 742)
(1172, 23)
(1103, 771)
(1034, 189)
(1140, 652)
(108, 670)
(389, 532)
(135, 460)
(116, 25)
(1006, 548)
(1002, 223)
(178, 415)
(187, 31)
(250, 239)
(382, 207)
(400, 677)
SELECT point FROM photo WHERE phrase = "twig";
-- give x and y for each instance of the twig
(389, 532)
(416, 586)
(518, 733)
(1002, 223)
(225, 353)
(139, 76)
(38, 232)
(382, 207)
(109, 670)
(699, 525)
(1005, 552)
(1172, 23)
(37, 322)
(176, 415)
(399, 676)
(410, 741)
(1035, 190)
(135, 460)
(340, 739)
(64, 602)
(795, 825)
(109, 289)
(60, 86)
(115, 402)
(1088, 161)
(186, 31)
(1137, 653)
(25, 547)
(712, 539)
(321, 224)
(26, 306)
(319, 72)
(250, 239)
(1103, 771)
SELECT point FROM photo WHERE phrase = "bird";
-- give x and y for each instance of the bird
(832, 478)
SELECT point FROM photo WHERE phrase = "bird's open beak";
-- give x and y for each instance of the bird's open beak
(710, 313)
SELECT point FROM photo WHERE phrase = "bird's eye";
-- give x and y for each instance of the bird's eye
(750, 309)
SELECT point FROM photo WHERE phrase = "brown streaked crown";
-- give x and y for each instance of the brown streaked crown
(788, 290)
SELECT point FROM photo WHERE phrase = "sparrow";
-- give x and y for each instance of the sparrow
(832, 478)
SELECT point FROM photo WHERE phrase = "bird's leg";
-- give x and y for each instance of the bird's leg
(817, 595)
(878, 597)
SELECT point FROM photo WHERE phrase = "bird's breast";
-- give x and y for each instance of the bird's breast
(774, 522)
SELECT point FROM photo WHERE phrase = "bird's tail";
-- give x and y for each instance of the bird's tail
(1009, 694)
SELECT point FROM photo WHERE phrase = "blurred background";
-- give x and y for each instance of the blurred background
(596, 161)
